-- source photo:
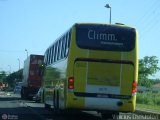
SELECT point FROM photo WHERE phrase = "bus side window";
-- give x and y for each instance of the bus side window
(67, 44)
(53, 57)
(69, 38)
(58, 51)
(52, 53)
(64, 45)
(47, 57)
(50, 56)
(56, 55)
(60, 48)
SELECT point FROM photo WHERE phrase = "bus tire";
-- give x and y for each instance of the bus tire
(57, 100)
(46, 106)
(56, 103)
(54, 100)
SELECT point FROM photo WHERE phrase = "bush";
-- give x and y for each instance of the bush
(148, 98)
(157, 100)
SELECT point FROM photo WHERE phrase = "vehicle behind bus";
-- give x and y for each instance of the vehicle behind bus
(32, 77)
(94, 67)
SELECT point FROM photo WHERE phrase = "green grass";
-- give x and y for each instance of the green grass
(148, 100)
(150, 107)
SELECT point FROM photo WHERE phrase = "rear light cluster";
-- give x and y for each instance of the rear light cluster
(134, 87)
(71, 83)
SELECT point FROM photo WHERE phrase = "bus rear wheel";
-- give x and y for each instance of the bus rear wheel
(47, 106)
(57, 111)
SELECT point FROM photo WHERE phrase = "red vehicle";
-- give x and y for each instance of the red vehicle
(32, 77)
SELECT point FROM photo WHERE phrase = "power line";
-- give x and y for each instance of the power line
(148, 12)
(147, 22)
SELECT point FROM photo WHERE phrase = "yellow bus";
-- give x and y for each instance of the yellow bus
(92, 67)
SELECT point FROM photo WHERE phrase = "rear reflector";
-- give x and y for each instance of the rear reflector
(71, 83)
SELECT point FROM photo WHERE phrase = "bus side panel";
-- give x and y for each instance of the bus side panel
(49, 82)
(72, 101)
(60, 83)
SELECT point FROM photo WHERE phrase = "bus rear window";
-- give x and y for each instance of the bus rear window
(105, 37)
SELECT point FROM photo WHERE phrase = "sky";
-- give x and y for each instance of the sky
(33, 25)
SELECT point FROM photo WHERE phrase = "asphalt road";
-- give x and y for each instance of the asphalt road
(13, 108)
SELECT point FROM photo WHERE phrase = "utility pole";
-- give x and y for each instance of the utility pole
(108, 6)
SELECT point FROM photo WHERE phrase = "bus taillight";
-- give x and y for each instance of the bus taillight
(134, 87)
(71, 83)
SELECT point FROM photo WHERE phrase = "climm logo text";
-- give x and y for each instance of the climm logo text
(93, 35)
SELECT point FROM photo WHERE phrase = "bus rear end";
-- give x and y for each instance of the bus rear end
(105, 67)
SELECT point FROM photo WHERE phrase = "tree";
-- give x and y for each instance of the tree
(13, 78)
(148, 66)
(2, 76)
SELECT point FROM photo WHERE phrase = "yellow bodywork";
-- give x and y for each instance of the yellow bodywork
(98, 74)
